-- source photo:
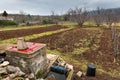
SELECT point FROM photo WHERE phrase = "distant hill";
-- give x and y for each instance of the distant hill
(114, 10)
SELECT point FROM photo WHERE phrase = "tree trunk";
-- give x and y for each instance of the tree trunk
(80, 24)
(98, 25)
(110, 24)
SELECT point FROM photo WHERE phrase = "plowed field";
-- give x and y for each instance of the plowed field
(24, 32)
(77, 38)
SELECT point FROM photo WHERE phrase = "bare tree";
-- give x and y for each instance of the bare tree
(78, 15)
(22, 17)
(111, 17)
(98, 16)
(54, 17)
(65, 17)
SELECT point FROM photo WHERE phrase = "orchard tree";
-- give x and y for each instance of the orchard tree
(29, 17)
(111, 17)
(98, 16)
(78, 15)
(66, 17)
(54, 17)
(22, 17)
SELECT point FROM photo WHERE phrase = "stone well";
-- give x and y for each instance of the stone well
(29, 60)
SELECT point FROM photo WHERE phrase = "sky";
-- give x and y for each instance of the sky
(44, 7)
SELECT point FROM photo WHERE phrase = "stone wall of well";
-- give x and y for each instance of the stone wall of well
(30, 63)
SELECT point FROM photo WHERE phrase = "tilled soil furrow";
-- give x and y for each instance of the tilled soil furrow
(24, 32)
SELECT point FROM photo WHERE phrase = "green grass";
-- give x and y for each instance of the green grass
(68, 57)
(89, 24)
(80, 51)
(69, 24)
(83, 63)
(73, 24)
(87, 43)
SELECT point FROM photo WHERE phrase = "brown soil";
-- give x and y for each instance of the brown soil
(64, 42)
(24, 32)
(100, 77)
(104, 55)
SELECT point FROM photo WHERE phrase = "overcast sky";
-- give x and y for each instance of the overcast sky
(44, 7)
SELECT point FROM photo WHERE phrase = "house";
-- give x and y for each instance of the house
(6, 18)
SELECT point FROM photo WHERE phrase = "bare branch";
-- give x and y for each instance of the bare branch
(78, 15)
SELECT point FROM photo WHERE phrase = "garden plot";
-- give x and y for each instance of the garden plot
(70, 40)
(24, 32)
(82, 46)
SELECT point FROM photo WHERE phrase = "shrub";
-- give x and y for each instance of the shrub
(47, 22)
(39, 74)
(7, 23)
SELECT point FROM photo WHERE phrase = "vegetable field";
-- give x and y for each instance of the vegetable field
(23, 32)
(91, 46)
(78, 46)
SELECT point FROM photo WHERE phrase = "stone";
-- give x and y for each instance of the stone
(16, 70)
(27, 79)
(41, 79)
(31, 76)
(79, 74)
(5, 63)
(69, 66)
(11, 69)
(7, 78)
(3, 71)
(62, 63)
(20, 73)
(31, 60)
(23, 63)
(12, 76)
